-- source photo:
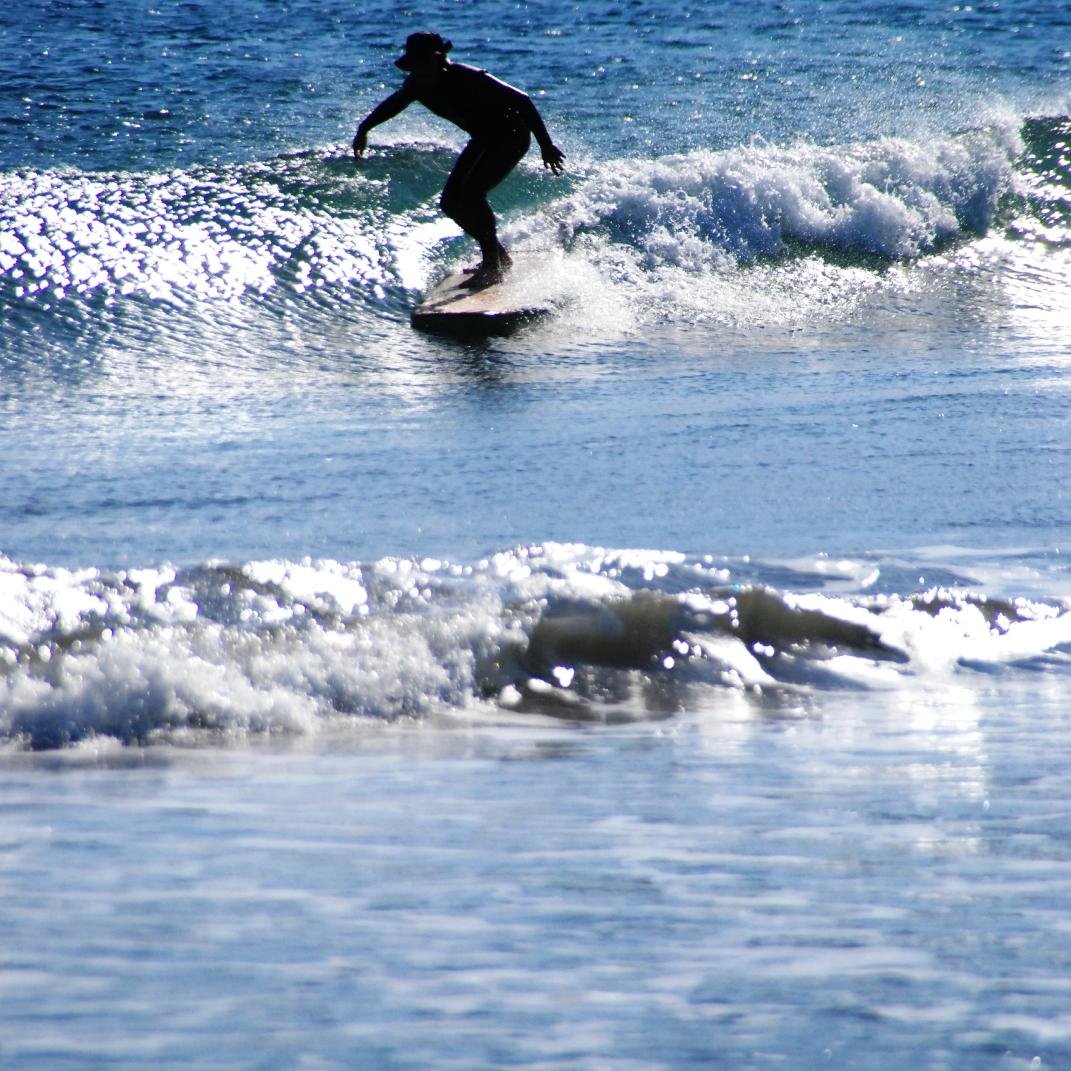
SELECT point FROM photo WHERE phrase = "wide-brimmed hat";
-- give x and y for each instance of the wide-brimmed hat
(422, 46)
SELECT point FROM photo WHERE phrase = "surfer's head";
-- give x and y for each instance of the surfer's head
(423, 50)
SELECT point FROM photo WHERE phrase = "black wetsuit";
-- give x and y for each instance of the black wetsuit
(489, 111)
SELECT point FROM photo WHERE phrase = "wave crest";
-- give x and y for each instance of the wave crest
(892, 198)
(221, 653)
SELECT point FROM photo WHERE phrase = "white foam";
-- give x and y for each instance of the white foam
(278, 647)
(666, 237)
(892, 197)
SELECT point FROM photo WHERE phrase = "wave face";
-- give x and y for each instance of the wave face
(203, 234)
(306, 228)
(217, 653)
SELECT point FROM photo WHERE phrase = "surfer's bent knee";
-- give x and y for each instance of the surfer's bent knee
(448, 203)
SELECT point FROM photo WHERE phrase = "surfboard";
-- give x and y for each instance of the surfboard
(451, 308)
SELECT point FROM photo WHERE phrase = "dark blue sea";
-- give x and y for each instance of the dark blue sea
(681, 681)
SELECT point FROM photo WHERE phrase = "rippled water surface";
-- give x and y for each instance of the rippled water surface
(873, 882)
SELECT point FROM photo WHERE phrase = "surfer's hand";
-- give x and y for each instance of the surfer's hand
(552, 159)
(360, 144)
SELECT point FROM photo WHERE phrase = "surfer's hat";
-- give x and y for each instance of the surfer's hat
(422, 46)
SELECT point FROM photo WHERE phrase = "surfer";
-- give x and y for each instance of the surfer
(499, 120)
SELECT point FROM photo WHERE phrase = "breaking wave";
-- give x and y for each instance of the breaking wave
(309, 221)
(891, 198)
(219, 652)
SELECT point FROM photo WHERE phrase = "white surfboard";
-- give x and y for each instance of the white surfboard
(451, 308)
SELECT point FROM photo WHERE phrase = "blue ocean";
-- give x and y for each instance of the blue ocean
(682, 680)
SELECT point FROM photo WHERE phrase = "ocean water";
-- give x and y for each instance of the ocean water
(681, 681)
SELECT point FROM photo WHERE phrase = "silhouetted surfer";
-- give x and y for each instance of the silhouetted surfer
(499, 120)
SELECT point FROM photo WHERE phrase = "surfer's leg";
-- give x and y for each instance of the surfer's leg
(503, 154)
(459, 203)
(482, 165)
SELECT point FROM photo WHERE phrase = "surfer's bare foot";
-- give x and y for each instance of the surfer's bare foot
(486, 275)
(504, 259)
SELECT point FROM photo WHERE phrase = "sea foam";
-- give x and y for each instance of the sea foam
(892, 198)
(220, 653)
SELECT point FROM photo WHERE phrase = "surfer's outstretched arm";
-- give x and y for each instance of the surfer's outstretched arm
(387, 109)
(553, 157)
